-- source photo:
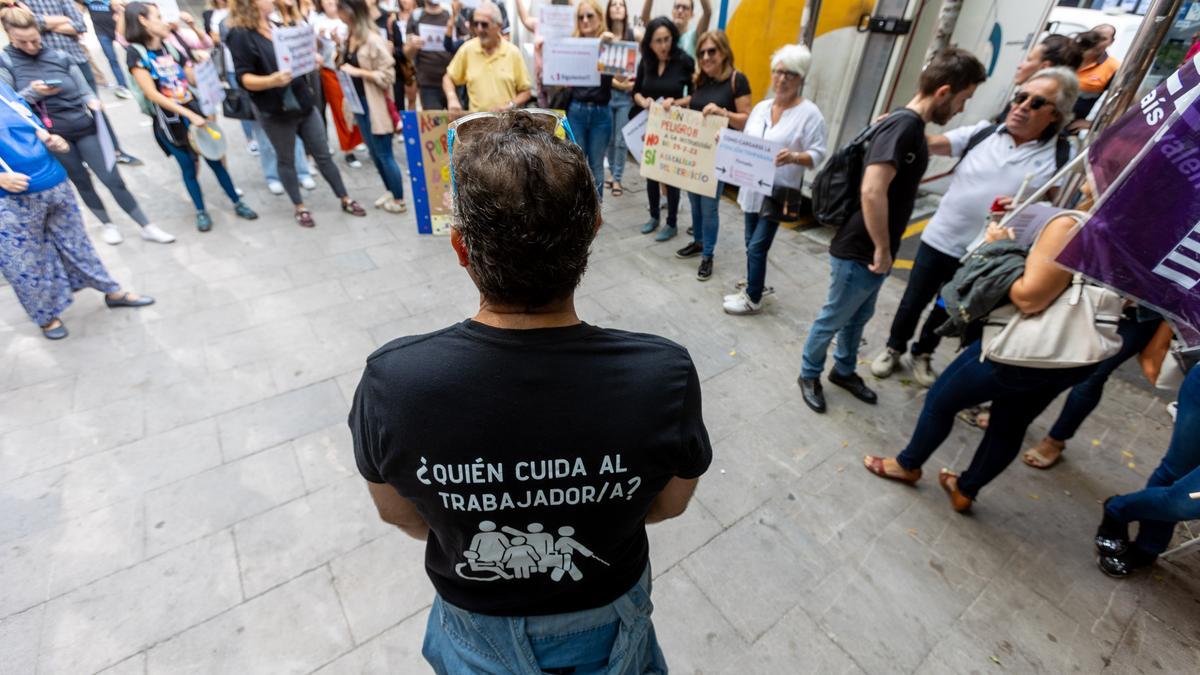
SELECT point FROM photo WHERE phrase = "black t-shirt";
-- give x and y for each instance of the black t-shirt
(431, 66)
(533, 455)
(900, 142)
(595, 95)
(723, 93)
(255, 55)
(675, 81)
(102, 17)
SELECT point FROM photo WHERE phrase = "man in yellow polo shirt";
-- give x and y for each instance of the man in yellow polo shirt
(491, 67)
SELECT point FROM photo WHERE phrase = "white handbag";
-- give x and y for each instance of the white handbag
(1078, 329)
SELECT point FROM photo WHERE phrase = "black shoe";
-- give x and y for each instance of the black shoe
(855, 385)
(705, 271)
(1112, 537)
(814, 397)
(1121, 566)
(128, 160)
(691, 250)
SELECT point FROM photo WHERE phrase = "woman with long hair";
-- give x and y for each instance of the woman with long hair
(616, 17)
(331, 36)
(287, 105)
(588, 110)
(367, 59)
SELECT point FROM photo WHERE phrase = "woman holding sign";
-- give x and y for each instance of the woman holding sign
(797, 124)
(617, 18)
(588, 110)
(724, 92)
(664, 73)
(287, 106)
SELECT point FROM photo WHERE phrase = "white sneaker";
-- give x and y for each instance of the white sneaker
(742, 304)
(152, 233)
(393, 206)
(239, 192)
(885, 364)
(742, 284)
(383, 199)
(308, 183)
(111, 234)
(922, 369)
(275, 187)
(1173, 409)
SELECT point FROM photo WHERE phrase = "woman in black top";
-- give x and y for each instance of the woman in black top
(665, 72)
(287, 106)
(720, 90)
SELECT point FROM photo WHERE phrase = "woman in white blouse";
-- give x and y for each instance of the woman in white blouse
(798, 125)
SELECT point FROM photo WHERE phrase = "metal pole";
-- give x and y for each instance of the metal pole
(808, 31)
(947, 20)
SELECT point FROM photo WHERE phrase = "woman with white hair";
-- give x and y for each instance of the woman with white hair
(796, 123)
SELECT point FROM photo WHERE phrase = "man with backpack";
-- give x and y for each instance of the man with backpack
(894, 157)
(996, 160)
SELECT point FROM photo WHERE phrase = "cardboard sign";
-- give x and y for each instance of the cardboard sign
(295, 48)
(747, 161)
(634, 133)
(619, 59)
(571, 62)
(168, 10)
(681, 149)
(350, 93)
(426, 143)
(556, 21)
(434, 37)
(209, 87)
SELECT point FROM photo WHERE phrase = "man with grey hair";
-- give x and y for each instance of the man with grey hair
(491, 67)
(995, 161)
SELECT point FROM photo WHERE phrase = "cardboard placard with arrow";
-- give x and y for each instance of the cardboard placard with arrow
(746, 161)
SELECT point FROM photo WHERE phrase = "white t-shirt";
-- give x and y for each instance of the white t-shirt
(330, 31)
(801, 128)
(994, 168)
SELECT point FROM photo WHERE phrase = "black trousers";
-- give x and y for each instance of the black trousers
(931, 270)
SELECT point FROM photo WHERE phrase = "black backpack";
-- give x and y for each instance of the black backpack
(1062, 147)
(835, 190)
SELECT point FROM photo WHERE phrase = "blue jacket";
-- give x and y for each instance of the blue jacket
(20, 149)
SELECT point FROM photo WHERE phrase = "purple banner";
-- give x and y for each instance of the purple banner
(1144, 238)
(1119, 144)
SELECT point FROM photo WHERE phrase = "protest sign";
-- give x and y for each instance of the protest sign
(350, 92)
(746, 161)
(295, 48)
(556, 21)
(681, 149)
(571, 62)
(634, 133)
(427, 146)
(168, 10)
(208, 86)
(434, 37)
(619, 59)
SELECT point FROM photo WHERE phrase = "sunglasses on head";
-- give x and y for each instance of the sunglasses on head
(1035, 102)
(463, 127)
(707, 51)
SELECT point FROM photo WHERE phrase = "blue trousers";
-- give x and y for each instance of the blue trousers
(706, 220)
(760, 232)
(851, 303)
(188, 165)
(619, 105)
(106, 45)
(592, 126)
(379, 146)
(1165, 501)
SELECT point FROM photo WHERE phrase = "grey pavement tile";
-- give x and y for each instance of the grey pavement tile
(796, 645)
(70, 436)
(29, 405)
(325, 456)
(301, 300)
(294, 628)
(333, 267)
(19, 641)
(134, 665)
(694, 634)
(1152, 646)
(257, 344)
(31, 503)
(111, 619)
(212, 500)
(275, 420)
(396, 650)
(676, 539)
(120, 381)
(244, 287)
(337, 347)
(382, 582)
(194, 400)
(417, 324)
(348, 382)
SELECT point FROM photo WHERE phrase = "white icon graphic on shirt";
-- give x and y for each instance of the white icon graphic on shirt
(494, 555)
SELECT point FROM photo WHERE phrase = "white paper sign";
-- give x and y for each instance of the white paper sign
(434, 37)
(470, 4)
(295, 48)
(350, 93)
(208, 85)
(747, 161)
(556, 21)
(634, 133)
(168, 10)
(571, 62)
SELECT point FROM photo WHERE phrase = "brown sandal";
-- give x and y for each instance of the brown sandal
(1037, 455)
(875, 465)
(949, 482)
(304, 219)
(354, 208)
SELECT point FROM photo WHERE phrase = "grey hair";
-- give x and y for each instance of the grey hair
(792, 58)
(493, 8)
(1068, 91)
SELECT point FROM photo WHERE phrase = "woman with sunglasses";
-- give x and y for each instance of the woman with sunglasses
(665, 73)
(616, 17)
(588, 110)
(287, 106)
(722, 91)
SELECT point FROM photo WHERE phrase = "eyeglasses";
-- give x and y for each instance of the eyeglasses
(785, 74)
(483, 25)
(549, 120)
(1035, 102)
(706, 52)
(588, 17)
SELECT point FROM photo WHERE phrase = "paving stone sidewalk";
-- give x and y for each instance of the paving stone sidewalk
(177, 491)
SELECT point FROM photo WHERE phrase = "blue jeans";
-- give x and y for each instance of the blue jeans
(188, 166)
(1085, 396)
(379, 146)
(270, 162)
(1018, 396)
(760, 232)
(614, 639)
(619, 106)
(592, 125)
(1164, 501)
(851, 303)
(106, 45)
(706, 220)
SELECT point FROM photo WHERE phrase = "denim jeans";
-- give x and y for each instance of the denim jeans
(1085, 396)
(619, 105)
(654, 198)
(1018, 396)
(615, 639)
(706, 220)
(760, 232)
(851, 303)
(1165, 501)
(592, 125)
(188, 166)
(931, 270)
(106, 45)
(379, 146)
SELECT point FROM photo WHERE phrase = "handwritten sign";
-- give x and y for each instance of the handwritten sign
(634, 132)
(556, 21)
(168, 10)
(295, 48)
(426, 143)
(209, 87)
(434, 37)
(571, 62)
(681, 149)
(350, 93)
(619, 59)
(747, 161)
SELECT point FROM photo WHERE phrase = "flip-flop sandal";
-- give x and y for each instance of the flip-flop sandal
(1040, 460)
(305, 219)
(875, 466)
(958, 501)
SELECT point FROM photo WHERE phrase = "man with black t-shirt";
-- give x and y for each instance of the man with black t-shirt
(517, 443)
(862, 250)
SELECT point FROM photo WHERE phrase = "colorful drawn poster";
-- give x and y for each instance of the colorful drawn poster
(635, 133)
(556, 21)
(681, 149)
(295, 48)
(433, 36)
(427, 145)
(209, 87)
(571, 62)
(619, 59)
(747, 161)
